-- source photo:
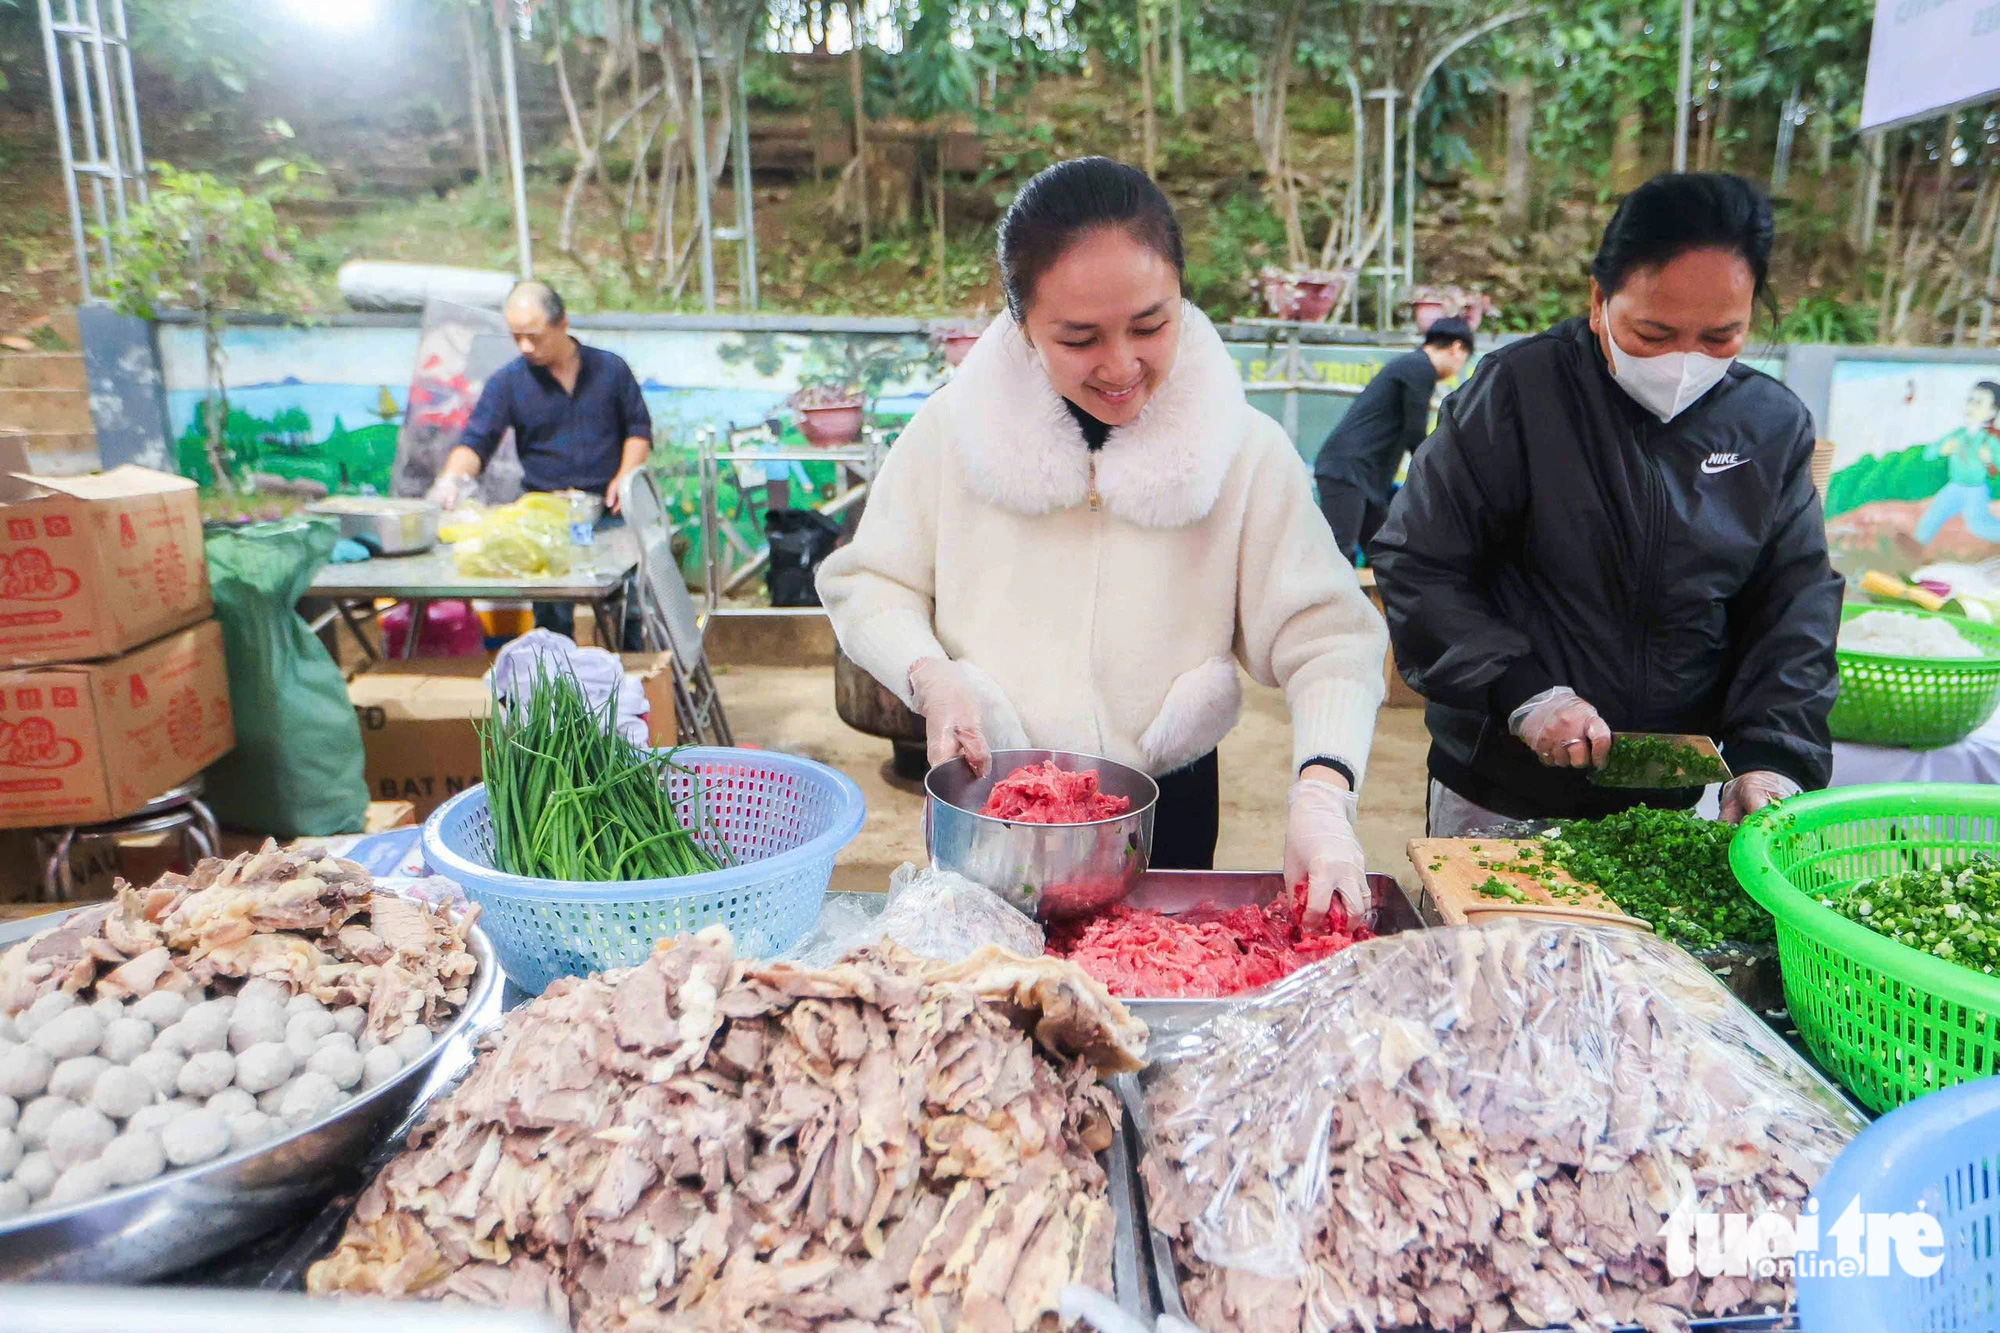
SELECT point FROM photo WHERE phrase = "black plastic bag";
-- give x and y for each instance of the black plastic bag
(800, 539)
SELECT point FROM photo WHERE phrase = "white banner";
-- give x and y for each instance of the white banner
(1927, 56)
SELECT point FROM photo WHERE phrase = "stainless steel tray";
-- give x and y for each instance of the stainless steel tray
(1174, 891)
(181, 1219)
(50, 1308)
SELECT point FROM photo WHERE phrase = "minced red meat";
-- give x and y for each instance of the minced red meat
(1044, 794)
(1199, 954)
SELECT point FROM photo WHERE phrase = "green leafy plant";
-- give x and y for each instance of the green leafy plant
(203, 246)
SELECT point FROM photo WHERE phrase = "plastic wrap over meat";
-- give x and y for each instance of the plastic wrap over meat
(1478, 1127)
(932, 913)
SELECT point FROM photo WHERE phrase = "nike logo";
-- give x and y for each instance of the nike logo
(1715, 463)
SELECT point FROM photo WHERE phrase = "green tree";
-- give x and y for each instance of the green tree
(203, 246)
(936, 79)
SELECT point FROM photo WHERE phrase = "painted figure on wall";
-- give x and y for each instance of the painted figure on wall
(1970, 451)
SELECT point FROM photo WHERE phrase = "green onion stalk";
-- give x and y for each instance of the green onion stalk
(571, 799)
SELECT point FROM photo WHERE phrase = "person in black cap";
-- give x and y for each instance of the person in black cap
(1357, 465)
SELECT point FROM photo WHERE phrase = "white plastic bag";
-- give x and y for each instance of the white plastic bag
(933, 913)
(598, 672)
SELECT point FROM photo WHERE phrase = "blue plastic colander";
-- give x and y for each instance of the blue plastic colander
(1939, 1154)
(781, 820)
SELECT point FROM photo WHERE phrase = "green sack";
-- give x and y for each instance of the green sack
(296, 771)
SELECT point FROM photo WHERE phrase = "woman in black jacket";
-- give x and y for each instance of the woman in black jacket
(1614, 528)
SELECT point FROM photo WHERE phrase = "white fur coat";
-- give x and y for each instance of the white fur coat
(1115, 632)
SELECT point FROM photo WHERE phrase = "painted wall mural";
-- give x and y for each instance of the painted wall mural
(1916, 463)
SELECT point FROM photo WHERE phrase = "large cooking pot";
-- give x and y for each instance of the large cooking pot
(867, 705)
(383, 524)
(1046, 870)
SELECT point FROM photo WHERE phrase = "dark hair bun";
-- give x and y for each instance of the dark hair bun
(1066, 201)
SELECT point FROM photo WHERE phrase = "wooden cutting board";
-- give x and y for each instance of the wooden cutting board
(1452, 869)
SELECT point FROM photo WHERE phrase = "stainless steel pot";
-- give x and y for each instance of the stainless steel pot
(384, 525)
(191, 1215)
(1046, 870)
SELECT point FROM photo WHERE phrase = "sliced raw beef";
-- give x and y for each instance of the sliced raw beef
(1044, 794)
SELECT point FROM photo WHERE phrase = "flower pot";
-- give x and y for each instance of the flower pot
(1315, 300)
(1427, 313)
(956, 346)
(830, 426)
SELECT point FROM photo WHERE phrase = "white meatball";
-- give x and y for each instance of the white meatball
(37, 1116)
(206, 1074)
(264, 1067)
(10, 1112)
(350, 1018)
(195, 1136)
(203, 1029)
(42, 1010)
(303, 1004)
(163, 1008)
(11, 1152)
(24, 1071)
(310, 1096)
(78, 1135)
(125, 1040)
(255, 1024)
(108, 1010)
(412, 1044)
(8, 1031)
(152, 1118)
(264, 991)
(341, 1064)
(307, 1027)
(85, 1180)
(271, 1099)
(134, 1157)
(36, 1174)
(250, 1129)
(213, 1011)
(14, 1199)
(161, 1068)
(73, 1032)
(122, 1093)
(232, 1102)
(339, 1040)
(75, 1078)
(380, 1065)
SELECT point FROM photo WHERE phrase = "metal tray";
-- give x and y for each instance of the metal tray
(1175, 891)
(183, 1218)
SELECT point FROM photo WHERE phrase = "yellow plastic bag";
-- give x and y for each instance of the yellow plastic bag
(526, 539)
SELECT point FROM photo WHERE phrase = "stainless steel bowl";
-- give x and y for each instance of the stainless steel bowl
(384, 525)
(185, 1217)
(1046, 870)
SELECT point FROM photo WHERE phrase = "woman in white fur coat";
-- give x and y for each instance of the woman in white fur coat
(1078, 539)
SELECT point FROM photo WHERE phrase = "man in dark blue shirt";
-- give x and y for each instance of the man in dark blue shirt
(578, 419)
(1356, 468)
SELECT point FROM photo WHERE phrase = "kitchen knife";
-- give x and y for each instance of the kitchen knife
(1657, 760)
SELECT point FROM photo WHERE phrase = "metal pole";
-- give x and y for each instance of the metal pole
(94, 157)
(131, 100)
(1686, 98)
(1410, 197)
(1357, 215)
(1872, 196)
(1388, 96)
(108, 108)
(59, 104)
(523, 242)
(746, 210)
(1992, 279)
(702, 202)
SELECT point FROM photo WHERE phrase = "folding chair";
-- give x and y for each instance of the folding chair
(667, 614)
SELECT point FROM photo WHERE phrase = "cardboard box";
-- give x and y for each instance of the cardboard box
(92, 566)
(417, 723)
(83, 743)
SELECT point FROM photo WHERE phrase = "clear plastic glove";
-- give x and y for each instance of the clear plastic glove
(1322, 852)
(1097, 1311)
(448, 490)
(950, 707)
(1562, 730)
(1747, 793)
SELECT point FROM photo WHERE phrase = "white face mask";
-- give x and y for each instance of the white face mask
(1668, 384)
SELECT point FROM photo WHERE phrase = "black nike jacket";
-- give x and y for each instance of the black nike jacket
(1553, 532)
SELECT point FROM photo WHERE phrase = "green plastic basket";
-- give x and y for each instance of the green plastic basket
(1890, 1022)
(1917, 702)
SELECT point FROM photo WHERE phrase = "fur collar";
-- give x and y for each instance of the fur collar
(1023, 451)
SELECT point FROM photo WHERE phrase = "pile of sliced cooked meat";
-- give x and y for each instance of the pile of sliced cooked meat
(707, 1143)
(308, 920)
(1044, 794)
(1201, 953)
(1477, 1128)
